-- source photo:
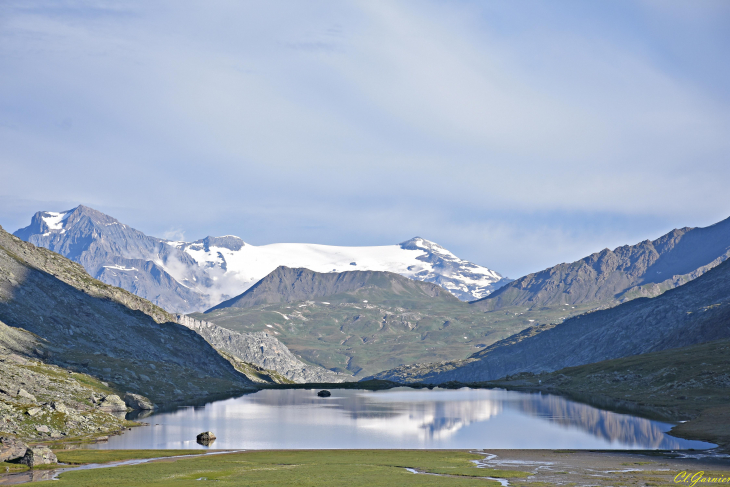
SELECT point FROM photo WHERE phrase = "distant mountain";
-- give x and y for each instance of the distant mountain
(192, 276)
(693, 313)
(286, 285)
(83, 324)
(612, 276)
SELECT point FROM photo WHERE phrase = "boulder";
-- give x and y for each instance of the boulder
(11, 449)
(138, 402)
(324, 393)
(26, 395)
(112, 403)
(38, 455)
(206, 438)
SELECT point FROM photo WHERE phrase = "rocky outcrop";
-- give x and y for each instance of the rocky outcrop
(11, 449)
(262, 350)
(138, 402)
(38, 455)
(694, 313)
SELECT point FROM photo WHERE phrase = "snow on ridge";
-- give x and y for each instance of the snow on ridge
(120, 268)
(55, 220)
(231, 272)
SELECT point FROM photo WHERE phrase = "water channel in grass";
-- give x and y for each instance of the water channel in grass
(399, 418)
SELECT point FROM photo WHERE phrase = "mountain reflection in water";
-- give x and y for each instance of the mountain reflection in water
(400, 418)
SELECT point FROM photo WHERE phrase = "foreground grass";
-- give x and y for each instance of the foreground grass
(353, 468)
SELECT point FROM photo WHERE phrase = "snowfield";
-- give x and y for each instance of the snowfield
(235, 266)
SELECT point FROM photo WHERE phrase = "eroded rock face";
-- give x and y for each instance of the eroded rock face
(263, 350)
(138, 402)
(11, 449)
(39, 455)
(112, 403)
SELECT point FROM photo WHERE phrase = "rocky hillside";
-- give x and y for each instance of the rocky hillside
(193, 276)
(611, 276)
(106, 332)
(262, 350)
(40, 401)
(694, 313)
(285, 285)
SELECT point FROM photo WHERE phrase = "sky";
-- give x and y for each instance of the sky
(517, 134)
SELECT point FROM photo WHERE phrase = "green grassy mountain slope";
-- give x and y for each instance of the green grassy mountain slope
(85, 325)
(369, 321)
(612, 276)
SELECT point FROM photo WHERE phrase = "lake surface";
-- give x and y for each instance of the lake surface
(400, 418)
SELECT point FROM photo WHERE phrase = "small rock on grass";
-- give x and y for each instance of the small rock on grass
(39, 455)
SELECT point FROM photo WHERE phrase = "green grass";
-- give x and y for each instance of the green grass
(350, 468)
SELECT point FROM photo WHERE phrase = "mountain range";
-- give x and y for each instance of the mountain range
(690, 314)
(193, 276)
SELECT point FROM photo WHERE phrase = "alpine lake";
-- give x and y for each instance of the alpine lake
(400, 418)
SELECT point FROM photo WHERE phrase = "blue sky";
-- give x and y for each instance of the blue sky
(517, 134)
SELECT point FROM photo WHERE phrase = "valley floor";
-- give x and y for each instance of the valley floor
(529, 468)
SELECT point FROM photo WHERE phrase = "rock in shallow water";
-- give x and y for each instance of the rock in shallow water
(324, 393)
(138, 402)
(206, 438)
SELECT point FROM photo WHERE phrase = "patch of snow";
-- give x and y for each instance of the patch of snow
(365, 301)
(55, 220)
(120, 268)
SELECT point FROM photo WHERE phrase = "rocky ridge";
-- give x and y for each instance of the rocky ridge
(262, 350)
(609, 277)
